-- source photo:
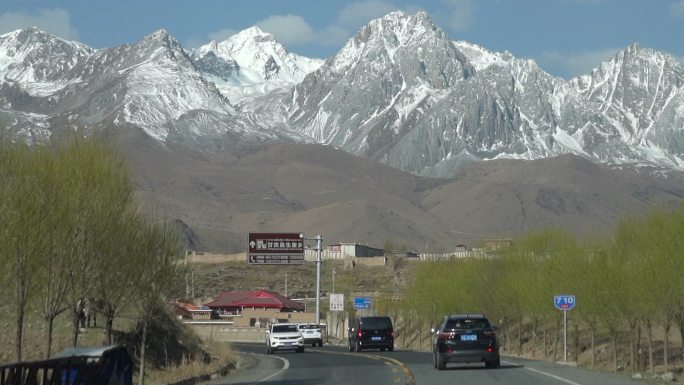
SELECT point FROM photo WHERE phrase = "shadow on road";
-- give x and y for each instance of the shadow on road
(285, 382)
(473, 367)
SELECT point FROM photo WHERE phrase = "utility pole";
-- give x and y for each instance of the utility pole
(333, 274)
(285, 284)
(319, 248)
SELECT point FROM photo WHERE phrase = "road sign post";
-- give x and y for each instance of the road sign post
(285, 249)
(565, 303)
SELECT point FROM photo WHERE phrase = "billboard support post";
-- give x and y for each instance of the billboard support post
(319, 245)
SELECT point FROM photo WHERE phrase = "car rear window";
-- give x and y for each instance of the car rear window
(376, 323)
(285, 328)
(466, 324)
(315, 327)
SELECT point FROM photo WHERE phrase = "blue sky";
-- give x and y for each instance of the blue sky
(566, 37)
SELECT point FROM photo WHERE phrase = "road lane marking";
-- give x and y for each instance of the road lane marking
(286, 365)
(555, 377)
(410, 380)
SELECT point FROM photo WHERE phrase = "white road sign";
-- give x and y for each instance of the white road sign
(336, 302)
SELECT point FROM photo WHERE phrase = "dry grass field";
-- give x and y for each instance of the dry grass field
(212, 275)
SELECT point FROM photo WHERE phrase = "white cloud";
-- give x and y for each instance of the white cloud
(461, 14)
(288, 29)
(358, 14)
(293, 30)
(677, 9)
(55, 21)
(222, 34)
(574, 64)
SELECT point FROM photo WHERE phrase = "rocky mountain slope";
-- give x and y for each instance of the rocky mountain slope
(241, 135)
(251, 63)
(400, 92)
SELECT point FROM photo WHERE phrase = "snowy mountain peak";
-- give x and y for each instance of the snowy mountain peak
(31, 38)
(396, 37)
(162, 37)
(253, 33)
(160, 34)
(35, 59)
(399, 27)
(252, 62)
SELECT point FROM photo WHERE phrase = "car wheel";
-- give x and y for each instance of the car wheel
(441, 364)
(320, 344)
(391, 348)
(269, 350)
(351, 346)
(382, 349)
(493, 364)
(358, 347)
(300, 350)
(313, 345)
(434, 360)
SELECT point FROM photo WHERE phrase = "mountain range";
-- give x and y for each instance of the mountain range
(400, 93)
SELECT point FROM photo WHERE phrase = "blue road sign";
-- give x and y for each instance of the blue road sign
(564, 302)
(362, 303)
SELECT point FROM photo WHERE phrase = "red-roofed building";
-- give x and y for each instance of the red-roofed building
(236, 301)
(186, 310)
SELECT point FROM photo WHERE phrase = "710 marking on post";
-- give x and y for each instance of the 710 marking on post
(564, 302)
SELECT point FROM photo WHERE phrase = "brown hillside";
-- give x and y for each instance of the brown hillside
(319, 189)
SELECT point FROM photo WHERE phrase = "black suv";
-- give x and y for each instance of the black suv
(465, 338)
(371, 332)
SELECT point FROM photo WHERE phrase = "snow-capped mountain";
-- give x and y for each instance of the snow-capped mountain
(251, 63)
(152, 85)
(640, 92)
(400, 91)
(37, 62)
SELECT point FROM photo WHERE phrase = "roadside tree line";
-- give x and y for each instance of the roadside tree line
(72, 232)
(627, 287)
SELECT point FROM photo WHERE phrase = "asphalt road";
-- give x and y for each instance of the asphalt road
(335, 365)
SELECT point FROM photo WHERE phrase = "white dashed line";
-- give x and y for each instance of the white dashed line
(555, 377)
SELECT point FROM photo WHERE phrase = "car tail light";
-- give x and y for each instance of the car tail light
(444, 336)
(391, 333)
(360, 333)
(489, 349)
